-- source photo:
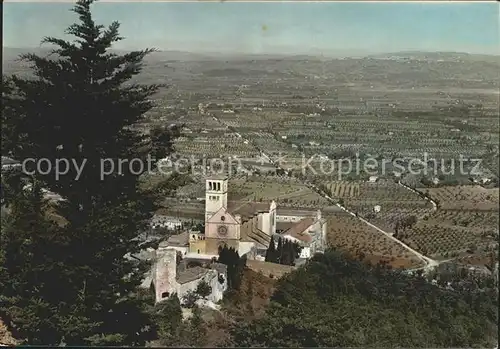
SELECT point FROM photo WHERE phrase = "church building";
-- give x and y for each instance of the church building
(227, 227)
(248, 226)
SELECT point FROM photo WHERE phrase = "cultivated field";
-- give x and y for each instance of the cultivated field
(344, 189)
(472, 219)
(473, 197)
(384, 203)
(286, 192)
(348, 234)
(446, 241)
(466, 221)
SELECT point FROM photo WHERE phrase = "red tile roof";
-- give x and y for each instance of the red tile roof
(297, 230)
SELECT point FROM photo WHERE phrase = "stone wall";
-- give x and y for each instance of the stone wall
(212, 279)
(165, 282)
(269, 269)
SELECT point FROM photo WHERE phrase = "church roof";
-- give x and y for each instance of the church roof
(248, 209)
(256, 236)
(297, 230)
(217, 216)
(191, 274)
(181, 239)
(221, 268)
(284, 226)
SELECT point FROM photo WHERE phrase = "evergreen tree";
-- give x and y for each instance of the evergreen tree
(349, 296)
(235, 266)
(196, 330)
(204, 289)
(297, 249)
(271, 251)
(286, 254)
(279, 250)
(29, 275)
(168, 320)
(81, 106)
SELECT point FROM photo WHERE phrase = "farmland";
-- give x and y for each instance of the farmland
(288, 193)
(465, 198)
(332, 107)
(336, 112)
(466, 221)
(348, 234)
(443, 240)
(383, 203)
(344, 189)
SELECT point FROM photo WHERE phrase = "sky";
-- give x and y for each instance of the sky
(278, 27)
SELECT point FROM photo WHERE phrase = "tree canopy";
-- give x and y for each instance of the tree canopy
(235, 265)
(336, 302)
(71, 283)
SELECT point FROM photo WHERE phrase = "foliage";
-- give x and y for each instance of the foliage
(285, 253)
(173, 330)
(161, 139)
(203, 289)
(197, 329)
(336, 302)
(190, 298)
(271, 251)
(29, 276)
(235, 266)
(71, 284)
(168, 319)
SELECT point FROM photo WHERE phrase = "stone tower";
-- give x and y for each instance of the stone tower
(164, 272)
(215, 195)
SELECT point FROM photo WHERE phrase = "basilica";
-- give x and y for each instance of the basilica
(245, 226)
(248, 227)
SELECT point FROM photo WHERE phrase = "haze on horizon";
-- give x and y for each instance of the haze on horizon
(342, 28)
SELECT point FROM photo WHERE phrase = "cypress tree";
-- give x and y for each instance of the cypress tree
(235, 266)
(296, 251)
(81, 106)
(287, 255)
(279, 250)
(271, 251)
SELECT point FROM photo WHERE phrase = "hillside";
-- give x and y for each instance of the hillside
(336, 302)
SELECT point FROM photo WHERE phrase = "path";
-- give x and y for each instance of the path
(430, 263)
(434, 205)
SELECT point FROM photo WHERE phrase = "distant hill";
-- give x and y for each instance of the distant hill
(11, 53)
(438, 56)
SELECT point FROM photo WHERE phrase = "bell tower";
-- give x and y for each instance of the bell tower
(215, 195)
